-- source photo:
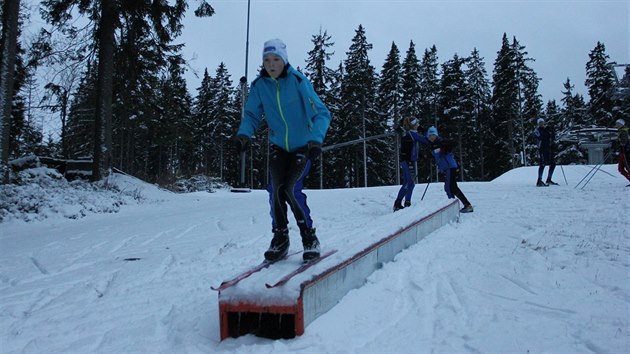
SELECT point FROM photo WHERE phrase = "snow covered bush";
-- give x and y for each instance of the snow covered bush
(198, 183)
(39, 193)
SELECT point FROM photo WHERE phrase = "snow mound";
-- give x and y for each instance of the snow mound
(40, 193)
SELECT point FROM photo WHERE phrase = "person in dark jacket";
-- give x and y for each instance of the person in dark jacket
(442, 151)
(298, 121)
(545, 138)
(408, 157)
(623, 166)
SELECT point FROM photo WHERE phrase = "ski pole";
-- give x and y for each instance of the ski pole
(243, 162)
(585, 176)
(427, 187)
(563, 175)
(596, 168)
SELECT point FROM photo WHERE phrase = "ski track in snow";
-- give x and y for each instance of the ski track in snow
(531, 270)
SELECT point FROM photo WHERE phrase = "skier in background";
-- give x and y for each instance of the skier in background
(408, 157)
(298, 121)
(624, 149)
(545, 138)
(442, 151)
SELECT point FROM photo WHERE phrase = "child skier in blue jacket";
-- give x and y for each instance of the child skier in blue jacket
(446, 164)
(298, 121)
(408, 157)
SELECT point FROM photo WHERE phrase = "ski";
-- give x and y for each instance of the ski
(257, 268)
(299, 270)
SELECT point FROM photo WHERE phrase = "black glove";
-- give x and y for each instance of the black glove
(314, 149)
(241, 143)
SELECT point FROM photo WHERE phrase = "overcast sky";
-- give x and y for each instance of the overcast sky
(558, 34)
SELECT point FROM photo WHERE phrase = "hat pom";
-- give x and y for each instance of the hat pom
(432, 131)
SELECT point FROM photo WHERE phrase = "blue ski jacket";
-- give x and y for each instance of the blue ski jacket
(443, 155)
(292, 109)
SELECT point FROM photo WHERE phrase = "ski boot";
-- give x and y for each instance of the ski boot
(551, 183)
(407, 203)
(466, 209)
(279, 246)
(398, 205)
(311, 245)
(540, 183)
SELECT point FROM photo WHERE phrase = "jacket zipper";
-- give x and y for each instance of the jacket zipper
(286, 125)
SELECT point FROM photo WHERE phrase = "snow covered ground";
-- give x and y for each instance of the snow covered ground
(532, 270)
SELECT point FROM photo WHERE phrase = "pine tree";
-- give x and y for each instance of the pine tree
(160, 18)
(334, 161)
(322, 77)
(389, 104)
(316, 70)
(173, 128)
(530, 102)
(81, 117)
(24, 137)
(623, 92)
(222, 123)
(457, 107)
(202, 107)
(563, 118)
(600, 83)
(429, 87)
(359, 118)
(479, 95)
(411, 74)
(429, 106)
(504, 109)
(10, 33)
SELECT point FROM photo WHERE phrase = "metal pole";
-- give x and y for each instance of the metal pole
(247, 39)
(425, 188)
(520, 115)
(364, 143)
(397, 159)
(593, 171)
(251, 155)
(563, 175)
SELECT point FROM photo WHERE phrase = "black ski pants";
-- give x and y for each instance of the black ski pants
(287, 171)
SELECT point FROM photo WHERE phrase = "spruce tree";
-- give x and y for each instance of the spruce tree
(504, 110)
(600, 82)
(429, 87)
(316, 69)
(221, 125)
(80, 118)
(571, 116)
(359, 118)
(411, 74)
(202, 107)
(322, 77)
(623, 92)
(173, 128)
(429, 106)
(162, 19)
(390, 104)
(530, 102)
(457, 108)
(8, 48)
(334, 161)
(479, 96)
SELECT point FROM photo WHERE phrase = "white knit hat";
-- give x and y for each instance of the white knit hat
(277, 47)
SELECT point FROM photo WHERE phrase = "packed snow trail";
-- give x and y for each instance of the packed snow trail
(531, 270)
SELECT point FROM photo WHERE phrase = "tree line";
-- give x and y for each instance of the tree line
(118, 88)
